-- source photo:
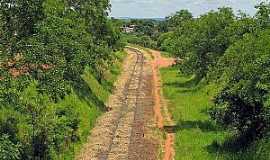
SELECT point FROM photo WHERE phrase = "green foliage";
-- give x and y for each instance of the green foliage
(163, 42)
(178, 19)
(144, 41)
(263, 14)
(39, 116)
(146, 32)
(146, 27)
(233, 53)
(53, 58)
(19, 17)
(243, 101)
(8, 150)
(46, 129)
(196, 135)
(189, 104)
(199, 42)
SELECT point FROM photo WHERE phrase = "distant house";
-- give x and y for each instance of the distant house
(128, 29)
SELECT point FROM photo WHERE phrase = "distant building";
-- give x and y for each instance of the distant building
(128, 29)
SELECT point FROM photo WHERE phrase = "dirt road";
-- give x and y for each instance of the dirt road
(127, 131)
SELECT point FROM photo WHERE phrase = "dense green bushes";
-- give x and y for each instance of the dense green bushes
(46, 106)
(8, 150)
(233, 52)
(243, 102)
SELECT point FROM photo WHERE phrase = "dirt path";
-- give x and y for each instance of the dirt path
(161, 111)
(125, 132)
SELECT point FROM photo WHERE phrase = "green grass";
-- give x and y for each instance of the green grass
(196, 133)
(166, 54)
(112, 74)
(189, 105)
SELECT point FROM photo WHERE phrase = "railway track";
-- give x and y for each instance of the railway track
(130, 112)
(120, 133)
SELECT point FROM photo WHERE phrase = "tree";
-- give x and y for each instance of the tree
(179, 18)
(243, 103)
(263, 14)
(206, 42)
(18, 21)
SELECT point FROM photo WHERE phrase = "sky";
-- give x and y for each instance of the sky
(163, 8)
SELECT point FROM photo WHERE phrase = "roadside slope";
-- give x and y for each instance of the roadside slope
(88, 102)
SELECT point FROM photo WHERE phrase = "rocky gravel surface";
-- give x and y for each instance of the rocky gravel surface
(123, 132)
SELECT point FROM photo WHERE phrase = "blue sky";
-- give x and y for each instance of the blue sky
(163, 8)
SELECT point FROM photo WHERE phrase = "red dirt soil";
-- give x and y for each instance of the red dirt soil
(161, 62)
(23, 69)
(169, 150)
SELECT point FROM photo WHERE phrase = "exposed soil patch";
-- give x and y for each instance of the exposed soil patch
(16, 67)
(169, 150)
(160, 62)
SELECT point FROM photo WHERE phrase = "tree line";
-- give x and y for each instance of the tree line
(145, 32)
(231, 51)
(45, 47)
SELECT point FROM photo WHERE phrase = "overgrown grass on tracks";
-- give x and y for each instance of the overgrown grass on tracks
(197, 136)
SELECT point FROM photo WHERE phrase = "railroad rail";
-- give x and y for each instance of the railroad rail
(119, 134)
(131, 92)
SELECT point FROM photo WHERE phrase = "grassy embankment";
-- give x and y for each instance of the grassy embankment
(88, 102)
(197, 136)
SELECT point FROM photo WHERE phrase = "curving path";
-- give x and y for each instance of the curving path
(126, 132)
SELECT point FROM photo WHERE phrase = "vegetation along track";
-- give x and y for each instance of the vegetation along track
(121, 133)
